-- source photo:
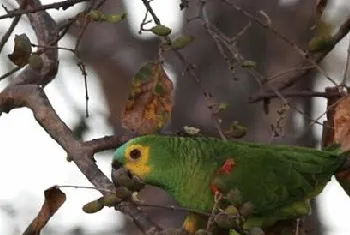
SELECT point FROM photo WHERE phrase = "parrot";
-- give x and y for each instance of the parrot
(277, 180)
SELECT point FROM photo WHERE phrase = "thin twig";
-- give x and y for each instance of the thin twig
(53, 47)
(318, 57)
(64, 28)
(276, 76)
(12, 71)
(84, 187)
(150, 10)
(82, 65)
(63, 4)
(329, 107)
(311, 94)
(267, 25)
(9, 31)
(210, 222)
(219, 38)
(175, 208)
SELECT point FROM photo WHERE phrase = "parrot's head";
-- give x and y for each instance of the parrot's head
(144, 156)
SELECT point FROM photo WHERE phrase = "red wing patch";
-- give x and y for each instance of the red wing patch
(227, 167)
(214, 189)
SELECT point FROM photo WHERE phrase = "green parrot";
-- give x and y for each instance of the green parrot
(278, 181)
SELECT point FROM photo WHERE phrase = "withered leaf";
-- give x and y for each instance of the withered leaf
(21, 51)
(54, 198)
(150, 100)
(342, 124)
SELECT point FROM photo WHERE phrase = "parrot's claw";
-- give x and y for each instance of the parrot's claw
(135, 197)
(217, 197)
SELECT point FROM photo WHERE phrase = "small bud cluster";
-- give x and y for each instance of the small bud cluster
(23, 54)
(231, 214)
(98, 16)
(126, 184)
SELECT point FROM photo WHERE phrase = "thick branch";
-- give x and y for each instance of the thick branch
(26, 91)
(105, 143)
(34, 98)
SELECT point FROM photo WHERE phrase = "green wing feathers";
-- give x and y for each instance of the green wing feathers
(269, 176)
(274, 176)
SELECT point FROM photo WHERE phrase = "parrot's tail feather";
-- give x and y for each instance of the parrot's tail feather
(346, 165)
(343, 175)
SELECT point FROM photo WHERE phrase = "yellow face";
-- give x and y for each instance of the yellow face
(136, 159)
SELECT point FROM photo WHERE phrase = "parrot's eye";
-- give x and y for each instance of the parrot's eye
(135, 154)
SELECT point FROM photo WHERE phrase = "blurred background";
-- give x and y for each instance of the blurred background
(31, 161)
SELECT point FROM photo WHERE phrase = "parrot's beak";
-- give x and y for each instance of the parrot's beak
(116, 164)
(118, 157)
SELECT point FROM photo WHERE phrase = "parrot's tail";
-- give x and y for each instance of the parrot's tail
(343, 178)
(343, 175)
(346, 164)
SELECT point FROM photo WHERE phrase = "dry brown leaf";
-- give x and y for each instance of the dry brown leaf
(342, 124)
(21, 51)
(150, 100)
(54, 198)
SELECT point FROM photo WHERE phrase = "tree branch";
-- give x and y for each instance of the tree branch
(63, 4)
(25, 90)
(328, 94)
(34, 98)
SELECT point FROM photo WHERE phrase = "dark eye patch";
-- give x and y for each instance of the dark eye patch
(135, 154)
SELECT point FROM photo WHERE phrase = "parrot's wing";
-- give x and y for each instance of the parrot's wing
(271, 177)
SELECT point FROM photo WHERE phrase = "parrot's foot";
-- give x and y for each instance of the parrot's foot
(190, 225)
(194, 222)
